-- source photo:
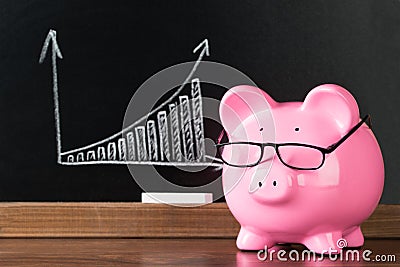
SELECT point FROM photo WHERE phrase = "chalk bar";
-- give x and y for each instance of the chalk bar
(177, 198)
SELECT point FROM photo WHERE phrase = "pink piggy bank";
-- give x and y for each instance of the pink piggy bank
(299, 172)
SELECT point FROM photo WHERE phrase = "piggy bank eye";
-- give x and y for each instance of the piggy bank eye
(297, 129)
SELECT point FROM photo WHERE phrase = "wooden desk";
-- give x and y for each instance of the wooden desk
(158, 235)
(153, 252)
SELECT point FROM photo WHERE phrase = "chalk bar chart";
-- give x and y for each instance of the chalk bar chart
(175, 137)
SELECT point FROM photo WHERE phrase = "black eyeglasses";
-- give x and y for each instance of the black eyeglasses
(293, 155)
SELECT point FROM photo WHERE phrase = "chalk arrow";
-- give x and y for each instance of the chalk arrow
(51, 36)
(205, 49)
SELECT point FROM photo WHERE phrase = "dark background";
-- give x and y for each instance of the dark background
(111, 47)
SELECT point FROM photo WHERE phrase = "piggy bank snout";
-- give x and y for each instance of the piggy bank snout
(276, 187)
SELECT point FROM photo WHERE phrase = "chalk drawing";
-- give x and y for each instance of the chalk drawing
(177, 139)
(163, 132)
(197, 107)
(152, 140)
(187, 134)
(131, 146)
(56, 52)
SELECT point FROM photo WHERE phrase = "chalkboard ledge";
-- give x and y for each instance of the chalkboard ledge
(142, 220)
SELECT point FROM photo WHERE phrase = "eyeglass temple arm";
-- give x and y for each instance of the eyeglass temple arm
(332, 147)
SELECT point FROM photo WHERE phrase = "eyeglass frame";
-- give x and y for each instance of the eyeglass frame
(324, 151)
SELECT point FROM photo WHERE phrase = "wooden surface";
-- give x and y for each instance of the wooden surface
(154, 252)
(146, 220)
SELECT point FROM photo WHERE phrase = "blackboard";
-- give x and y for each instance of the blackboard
(110, 48)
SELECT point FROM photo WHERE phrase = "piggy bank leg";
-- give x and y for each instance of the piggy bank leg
(249, 240)
(354, 237)
(324, 243)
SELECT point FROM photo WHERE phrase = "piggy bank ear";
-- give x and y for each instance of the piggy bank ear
(336, 103)
(241, 102)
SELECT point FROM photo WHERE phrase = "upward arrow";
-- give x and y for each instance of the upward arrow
(51, 36)
(206, 47)
(56, 52)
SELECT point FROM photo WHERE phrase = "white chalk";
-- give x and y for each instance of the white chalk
(177, 198)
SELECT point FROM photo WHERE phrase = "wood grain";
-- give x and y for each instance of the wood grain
(27, 219)
(165, 252)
